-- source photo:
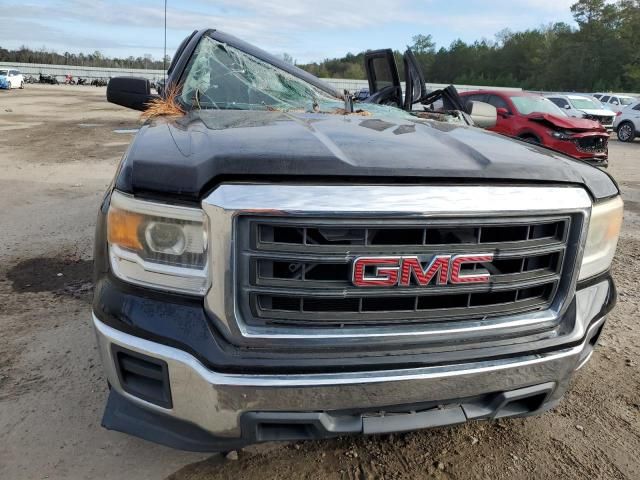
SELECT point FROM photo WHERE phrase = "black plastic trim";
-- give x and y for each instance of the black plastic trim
(124, 366)
(122, 415)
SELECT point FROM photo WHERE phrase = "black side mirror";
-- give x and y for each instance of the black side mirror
(130, 92)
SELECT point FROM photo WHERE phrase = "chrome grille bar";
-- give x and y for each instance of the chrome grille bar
(238, 212)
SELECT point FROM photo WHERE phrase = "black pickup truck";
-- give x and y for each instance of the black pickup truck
(280, 263)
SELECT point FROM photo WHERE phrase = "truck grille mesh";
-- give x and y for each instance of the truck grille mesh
(297, 272)
(592, 144)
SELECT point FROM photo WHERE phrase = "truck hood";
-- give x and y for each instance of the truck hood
(566, 123)
(187, 157)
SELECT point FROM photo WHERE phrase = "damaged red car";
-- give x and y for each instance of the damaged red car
(535, 119)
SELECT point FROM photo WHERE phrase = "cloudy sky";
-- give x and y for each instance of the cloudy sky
(308, 30)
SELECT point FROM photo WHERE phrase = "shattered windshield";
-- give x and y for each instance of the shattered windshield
(222, 77)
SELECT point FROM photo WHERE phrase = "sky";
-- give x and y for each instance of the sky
(305, 29)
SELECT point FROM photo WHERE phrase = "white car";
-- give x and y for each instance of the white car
(627, 124)
(580, 106)
(13, 77)
(614, 101)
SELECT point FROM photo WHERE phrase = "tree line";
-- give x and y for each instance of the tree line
(95, 59)
(601, 53)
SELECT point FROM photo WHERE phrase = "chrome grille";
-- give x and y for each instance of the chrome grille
(297, 272)
(235, 212)
(604, 120)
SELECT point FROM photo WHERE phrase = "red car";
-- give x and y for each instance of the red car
(535, 119)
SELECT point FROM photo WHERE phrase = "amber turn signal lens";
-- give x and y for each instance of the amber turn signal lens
(122, 228)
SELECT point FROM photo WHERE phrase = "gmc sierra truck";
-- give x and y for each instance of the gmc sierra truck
(279, 263)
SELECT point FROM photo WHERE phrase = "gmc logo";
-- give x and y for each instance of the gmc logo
(402, 271)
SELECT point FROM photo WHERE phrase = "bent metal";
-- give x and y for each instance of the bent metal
(402, 271)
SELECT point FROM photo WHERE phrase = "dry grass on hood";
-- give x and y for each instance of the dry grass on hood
(165, 106)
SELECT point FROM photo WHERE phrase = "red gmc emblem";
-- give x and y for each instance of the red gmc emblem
(403, 271)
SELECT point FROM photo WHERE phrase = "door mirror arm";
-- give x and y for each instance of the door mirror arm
(503, 112)
(383, 96)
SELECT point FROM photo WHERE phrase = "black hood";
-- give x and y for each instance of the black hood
(187, 157)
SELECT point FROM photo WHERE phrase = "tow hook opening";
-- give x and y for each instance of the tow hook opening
(522, 406)
(143, 376)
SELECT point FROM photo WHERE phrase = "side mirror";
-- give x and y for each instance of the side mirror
(484, 115)
(130, 92)
(567, 107)
(503, 112)
(614, 103)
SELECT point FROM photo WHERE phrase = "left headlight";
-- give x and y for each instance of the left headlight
(561, 135)
(157, 245)
(602, 238)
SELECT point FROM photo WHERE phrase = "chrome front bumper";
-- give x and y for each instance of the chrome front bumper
(215, 402)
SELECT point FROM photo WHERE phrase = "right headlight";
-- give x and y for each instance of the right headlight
(602, 238)
(158, 245)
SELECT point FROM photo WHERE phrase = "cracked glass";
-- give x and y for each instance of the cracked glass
(222, 77)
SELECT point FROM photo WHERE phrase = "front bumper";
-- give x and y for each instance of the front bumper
(570, 147)
(212, 411)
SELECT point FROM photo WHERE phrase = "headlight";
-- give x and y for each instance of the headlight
(157, 245)
(561, 135)
(602, 238)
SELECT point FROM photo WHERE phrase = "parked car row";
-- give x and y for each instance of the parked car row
(12, 78)
(536, 119)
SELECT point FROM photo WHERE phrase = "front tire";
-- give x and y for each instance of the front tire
(626, 132)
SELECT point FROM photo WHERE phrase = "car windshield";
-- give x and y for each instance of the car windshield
(584, 103)
(534, 104)
(3, 73)
(220, 76)
(626, 100)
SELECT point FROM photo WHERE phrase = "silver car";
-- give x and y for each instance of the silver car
(580, 106)
(627, 123)
(614, 101)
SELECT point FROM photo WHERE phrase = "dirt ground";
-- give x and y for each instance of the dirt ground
(58, 153)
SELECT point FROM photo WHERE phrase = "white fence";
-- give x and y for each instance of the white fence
(60, 71)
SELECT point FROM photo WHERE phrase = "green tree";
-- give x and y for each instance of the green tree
(423, 44)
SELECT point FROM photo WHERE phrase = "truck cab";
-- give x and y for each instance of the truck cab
(275, 262)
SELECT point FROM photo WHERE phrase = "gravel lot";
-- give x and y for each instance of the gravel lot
(58, 152)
